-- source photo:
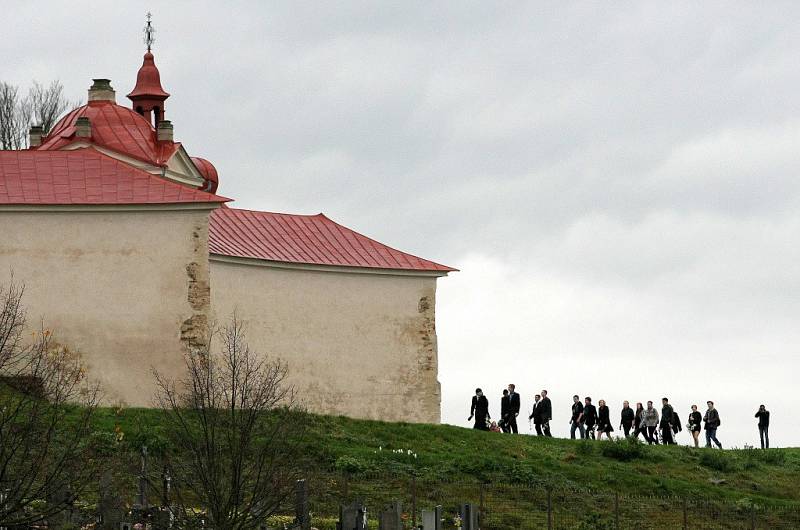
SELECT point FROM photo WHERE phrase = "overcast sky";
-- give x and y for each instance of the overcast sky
(618, 184)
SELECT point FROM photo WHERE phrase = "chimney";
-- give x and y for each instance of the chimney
(101, 91)
(83, 127)
(164, 131)
(35, 136)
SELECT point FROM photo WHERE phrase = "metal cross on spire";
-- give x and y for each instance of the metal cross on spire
(149, 32)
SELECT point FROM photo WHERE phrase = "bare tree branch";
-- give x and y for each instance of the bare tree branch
(235, 422)
(42, 106)
(43, 450)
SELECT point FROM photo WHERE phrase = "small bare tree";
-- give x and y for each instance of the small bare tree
(42, 106)
(235, 427)
(46, 406)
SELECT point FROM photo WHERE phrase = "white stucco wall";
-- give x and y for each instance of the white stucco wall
(361, 345)
(125, 288)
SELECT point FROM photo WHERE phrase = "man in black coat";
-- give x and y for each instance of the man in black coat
(479, 410)
(666, 421)
(505, 406)
(547, 413)
(513, 410)
(536, 414)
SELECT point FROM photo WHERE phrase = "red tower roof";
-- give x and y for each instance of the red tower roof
(148, 81)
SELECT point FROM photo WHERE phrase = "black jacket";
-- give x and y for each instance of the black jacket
(666, 415)
(627, 417)
(577, 410)
(589, 414)
(514, 405)
(504, 406)
(480, 407)
(763, 418)
(537, 414)
(547, 409)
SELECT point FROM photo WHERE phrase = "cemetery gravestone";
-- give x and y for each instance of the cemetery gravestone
(469, 517)
(391, 517)
(432, 519)
(352, 517)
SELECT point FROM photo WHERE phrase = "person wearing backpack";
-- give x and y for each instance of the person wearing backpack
(666, 420)
(712, 422)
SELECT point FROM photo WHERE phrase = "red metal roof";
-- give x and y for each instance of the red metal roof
(85, 176)
(148, 81)
(306, 239)
(113, 126)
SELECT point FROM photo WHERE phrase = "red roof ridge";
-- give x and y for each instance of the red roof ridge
(86, 177)
(313, 239)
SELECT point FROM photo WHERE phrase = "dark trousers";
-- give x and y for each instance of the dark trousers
(589, 431)
(543, 429)
(666, 434)
(626, 427)
(763, 432)
(504, 424)
(480, 423)
(512, 423)
(650, 435)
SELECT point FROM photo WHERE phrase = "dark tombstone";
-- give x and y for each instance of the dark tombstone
(110, 507)
(391, 517)
(302, 517)
(432, 519)
(469, 517)
(352, 517)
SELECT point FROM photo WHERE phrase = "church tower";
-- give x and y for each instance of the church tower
(148, 96)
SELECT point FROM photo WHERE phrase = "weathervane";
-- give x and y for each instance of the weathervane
(149, 32)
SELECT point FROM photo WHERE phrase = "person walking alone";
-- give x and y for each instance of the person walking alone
(763, 426)
(576, 421)
(479, 410)
(603, 420)
(626, 418)
(547, 413)
(666, 422)
(712, 421)
(650, 421)
(695, 419)
(589, 418)
(513, 410)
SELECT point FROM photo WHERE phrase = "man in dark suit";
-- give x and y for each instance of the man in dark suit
(513, 408)
(547, 413)
(479, 410)
(505, 405)
(536, 414)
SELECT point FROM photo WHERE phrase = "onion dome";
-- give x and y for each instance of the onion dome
(209, 172)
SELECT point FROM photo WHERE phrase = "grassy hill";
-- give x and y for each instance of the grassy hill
(431, 464)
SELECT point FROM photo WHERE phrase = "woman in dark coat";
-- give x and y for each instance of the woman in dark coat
(638, 428)
(694, 425)
(479, 410)
(603, 420)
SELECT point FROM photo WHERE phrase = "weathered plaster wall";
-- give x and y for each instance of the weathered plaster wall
(361, 345)
(128, 289)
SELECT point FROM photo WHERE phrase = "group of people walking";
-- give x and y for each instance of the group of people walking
(591, 421)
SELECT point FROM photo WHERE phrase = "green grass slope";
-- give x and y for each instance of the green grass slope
(448, 455)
